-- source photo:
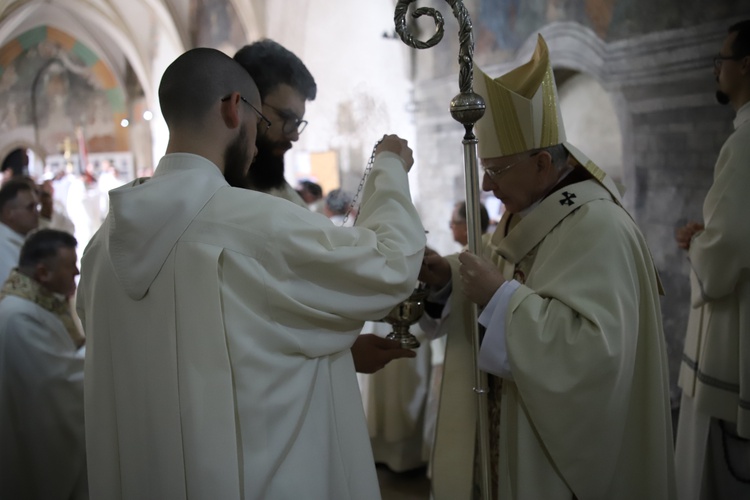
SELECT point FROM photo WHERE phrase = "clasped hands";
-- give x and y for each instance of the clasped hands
(480, 278)
(684, 235)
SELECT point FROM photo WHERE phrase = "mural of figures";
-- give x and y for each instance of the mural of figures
(215, 23)
(55, 86)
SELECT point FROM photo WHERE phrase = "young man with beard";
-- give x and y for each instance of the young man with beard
(220, 320)
(713, 451)
(285, 85)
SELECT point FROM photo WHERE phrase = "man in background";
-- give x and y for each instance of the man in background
(16, 164)
(19, 215)
(458, 225)
(713, 451)
(42, 445)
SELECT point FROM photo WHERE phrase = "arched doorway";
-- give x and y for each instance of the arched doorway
(590, 120)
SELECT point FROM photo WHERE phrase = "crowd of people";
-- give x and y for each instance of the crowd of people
(221, 312)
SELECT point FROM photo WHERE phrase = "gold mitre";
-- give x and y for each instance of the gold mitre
(523, 113)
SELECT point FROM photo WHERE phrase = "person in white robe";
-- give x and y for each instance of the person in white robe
(42, 442)
(432, 324)
(574, 347)
(713, 432)
(219, 320)
(52, 214)
(19, 216)
(285, 85)
(395, 403)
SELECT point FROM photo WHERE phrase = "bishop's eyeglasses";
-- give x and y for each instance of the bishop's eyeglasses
(494, 175)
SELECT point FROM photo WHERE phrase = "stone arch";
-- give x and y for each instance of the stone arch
(591, 120)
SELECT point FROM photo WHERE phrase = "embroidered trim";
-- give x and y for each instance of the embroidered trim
(20, 285)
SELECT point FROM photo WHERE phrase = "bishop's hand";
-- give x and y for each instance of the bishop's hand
(479, 277)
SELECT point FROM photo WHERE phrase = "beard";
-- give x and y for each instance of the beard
(722, 97)
(237, 159)
(267, 171)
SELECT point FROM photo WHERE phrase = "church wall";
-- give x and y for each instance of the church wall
(658, 72)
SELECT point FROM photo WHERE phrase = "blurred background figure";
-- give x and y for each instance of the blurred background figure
(395, 400)
(312, 193)
(19, 216)
(52, 213)
(16, 164)
(458, 223)
(459, 228)
(109, 179)
(42, 445)
(336, 205)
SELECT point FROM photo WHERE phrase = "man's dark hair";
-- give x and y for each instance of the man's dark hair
(196, 81)
(43, 245)
(10, 191)
(741, 44)
(18, 161)
(312, 188)
(484, 217)
(271, 65)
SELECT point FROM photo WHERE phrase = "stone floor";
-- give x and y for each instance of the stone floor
(411, 485)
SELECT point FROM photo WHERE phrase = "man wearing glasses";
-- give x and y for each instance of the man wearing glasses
(574, 346)
(285, 85)
(713, 451)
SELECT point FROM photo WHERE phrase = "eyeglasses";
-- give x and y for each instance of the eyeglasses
(719, 59)
(494, 175)
(291, 122)
(261, 116)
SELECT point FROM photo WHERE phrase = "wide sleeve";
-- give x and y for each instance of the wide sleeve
(335, 278)
(572, 333)
(720, 254)
(363, 271)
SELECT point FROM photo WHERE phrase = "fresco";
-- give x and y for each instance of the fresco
(501, 26)
(54, 86)
(214, 23)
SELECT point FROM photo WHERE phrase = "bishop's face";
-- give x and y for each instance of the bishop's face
(516, 180)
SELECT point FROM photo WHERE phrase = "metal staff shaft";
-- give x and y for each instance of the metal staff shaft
(466, 108)
(475, 246)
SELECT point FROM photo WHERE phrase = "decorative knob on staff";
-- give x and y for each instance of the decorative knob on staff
(466, 108)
